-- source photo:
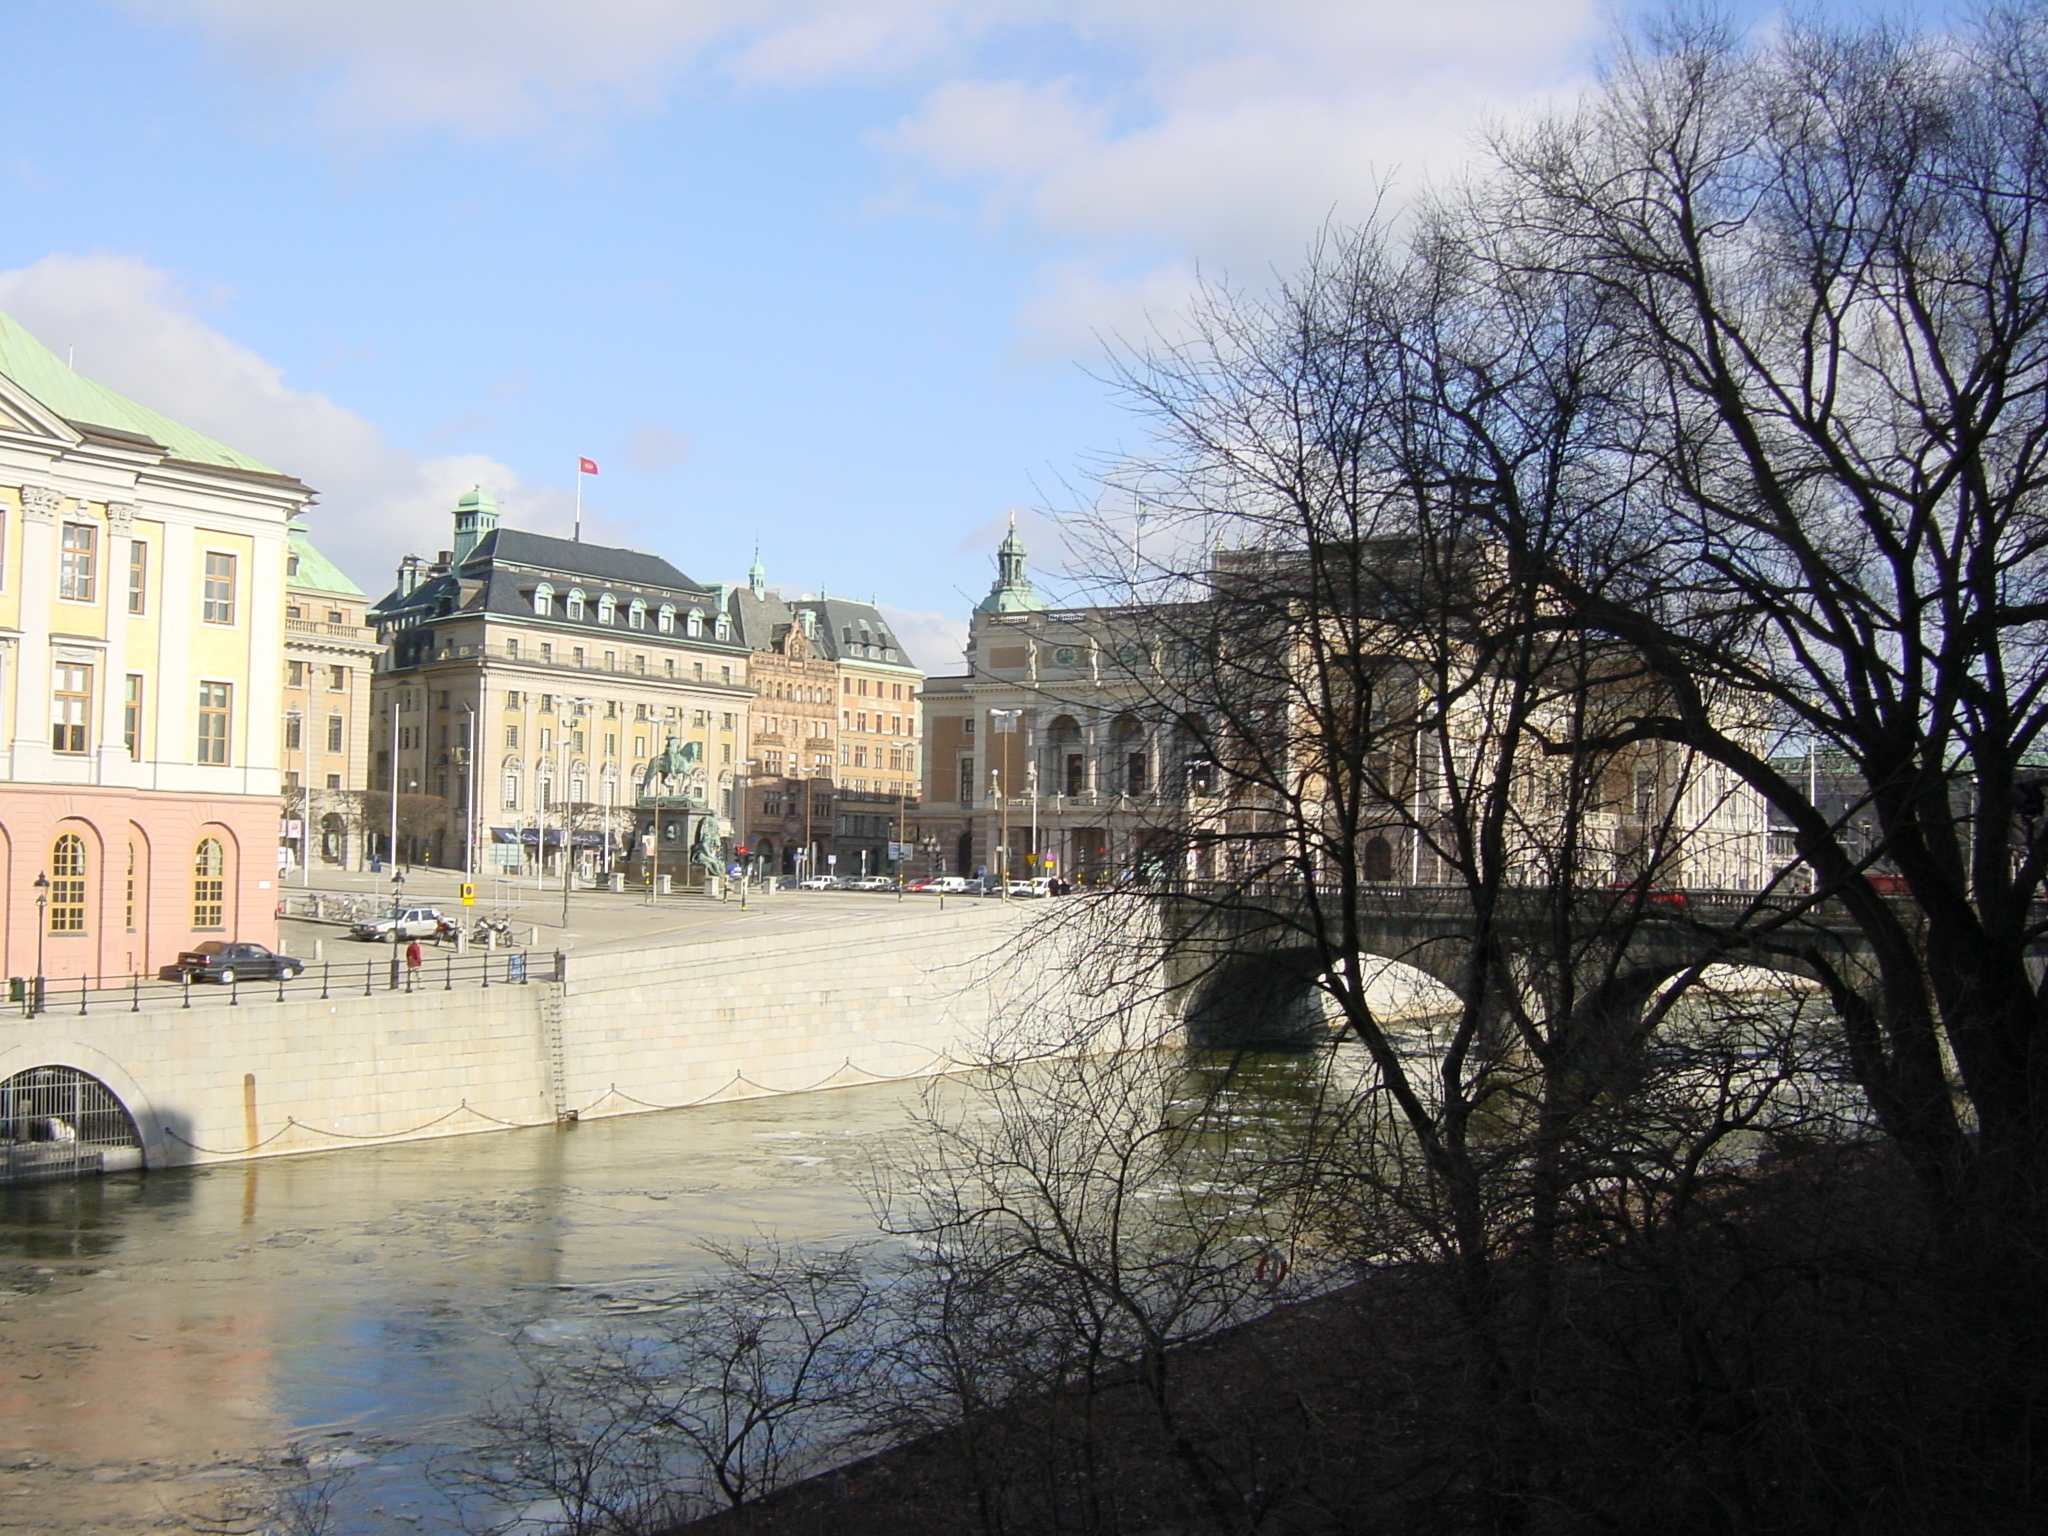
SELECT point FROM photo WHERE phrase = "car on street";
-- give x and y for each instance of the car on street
(952, 885)
(819, 883)
(225, 962)
(874, 883)
(405, 923)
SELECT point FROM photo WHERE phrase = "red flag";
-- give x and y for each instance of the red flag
(586, 466)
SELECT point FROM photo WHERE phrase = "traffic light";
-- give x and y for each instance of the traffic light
(740, 849)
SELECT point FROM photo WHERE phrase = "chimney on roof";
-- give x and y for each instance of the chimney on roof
(411, 572)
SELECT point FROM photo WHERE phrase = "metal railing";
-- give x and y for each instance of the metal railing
(82, 996)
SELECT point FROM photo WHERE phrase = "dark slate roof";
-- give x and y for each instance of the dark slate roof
(844, 631)
(594, 562)
(855, 632)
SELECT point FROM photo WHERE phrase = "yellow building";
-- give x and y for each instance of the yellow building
(142, 577)
(527, 684)
(330, 653)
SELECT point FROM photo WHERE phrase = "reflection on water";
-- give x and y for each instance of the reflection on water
(160, 1333)
(157, 1332)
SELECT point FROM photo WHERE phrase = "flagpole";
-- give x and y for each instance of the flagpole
(578, 538)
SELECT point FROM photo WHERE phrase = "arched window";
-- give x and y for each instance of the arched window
(575, 602)
(209, 884)
(607, 610)
(667, 617)
(694, 624)
(333, 838)
(724, 629)
(544, 600)
(1379, 859)
(67, 884)
(636, 616)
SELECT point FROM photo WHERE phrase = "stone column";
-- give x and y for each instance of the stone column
(37, 579)
(116, 765)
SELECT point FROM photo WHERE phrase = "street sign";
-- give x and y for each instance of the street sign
(468, 894)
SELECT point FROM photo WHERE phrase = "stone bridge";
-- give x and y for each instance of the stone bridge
(1244, 966)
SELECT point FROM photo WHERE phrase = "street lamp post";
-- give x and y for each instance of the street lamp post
(35, 1003)
(397, 906)
(469, 820)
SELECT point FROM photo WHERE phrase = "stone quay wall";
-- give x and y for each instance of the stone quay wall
(655, 1026)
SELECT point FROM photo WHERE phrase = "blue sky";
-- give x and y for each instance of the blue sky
(829, 275)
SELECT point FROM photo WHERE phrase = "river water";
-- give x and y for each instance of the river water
(164, 1336)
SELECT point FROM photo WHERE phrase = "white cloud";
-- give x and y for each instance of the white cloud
(1136, 136)
(934, 642)
(135, 329)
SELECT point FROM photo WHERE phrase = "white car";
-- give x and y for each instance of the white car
(819, 883)
(953, 885)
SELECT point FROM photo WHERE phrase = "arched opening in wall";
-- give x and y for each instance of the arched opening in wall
(209, 885)
(1131, 764)
(333, 838)
(1066, 765)
(48, 1115)
(1378, 859)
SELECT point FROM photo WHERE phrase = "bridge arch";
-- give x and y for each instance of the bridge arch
(1275, 998)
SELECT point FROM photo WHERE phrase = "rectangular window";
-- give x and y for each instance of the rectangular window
(639, 746)
(697, 668)
(576, 656)
(967, 781)
(138, 576)
(213, 723)
(512, 736)
(292, 733)
(131, 715)
(334, 730)
(611, 744)
(611, 661)
(295, 674)
(639, 665)
(512, 649)
(337, 679)
(70, 707)
(669, 666)
(217, 589)
(547, 739)
(547, 652)
(77, 563)
(511, 791)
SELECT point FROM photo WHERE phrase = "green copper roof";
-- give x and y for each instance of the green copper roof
(1012, 591)
(315, 570)
(84, 403)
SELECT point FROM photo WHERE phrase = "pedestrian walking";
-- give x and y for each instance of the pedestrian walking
(412, 958)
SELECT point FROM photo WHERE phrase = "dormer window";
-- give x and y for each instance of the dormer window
(724, 627)
(667, 619)
(636, 616)
(544, 600)
(693, 626)
(607, 610)
(576, 603)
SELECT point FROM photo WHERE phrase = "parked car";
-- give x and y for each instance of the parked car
(875, 883)
(222, 961)
(819, 883)
(953, 885)
(406, 923)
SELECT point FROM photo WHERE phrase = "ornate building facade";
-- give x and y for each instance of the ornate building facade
(142, 599)
(527, 684)
(833, 745)
(330, 653)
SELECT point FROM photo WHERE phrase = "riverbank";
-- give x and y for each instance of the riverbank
(1797, 1357)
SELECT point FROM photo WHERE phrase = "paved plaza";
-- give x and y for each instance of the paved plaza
(597, 919)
